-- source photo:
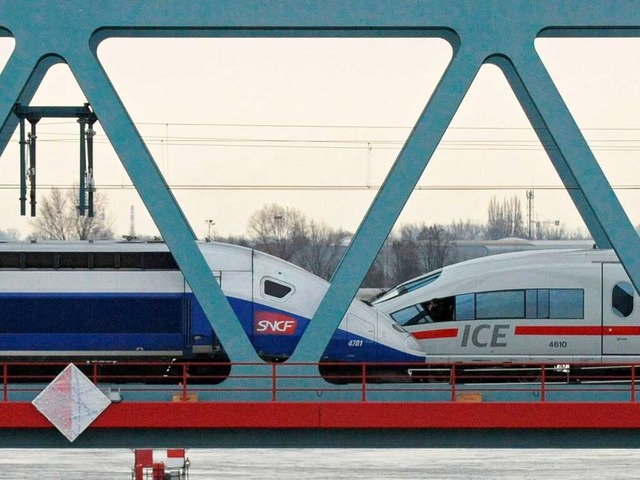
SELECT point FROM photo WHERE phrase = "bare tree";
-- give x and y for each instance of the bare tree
(376, 277)
(418, 249)
(466, 230)
(322, 249)
(58, 218)
(405, 251)
(278, 230)
(435, 242)
(505, 218)
(9, 235)
(549, 231)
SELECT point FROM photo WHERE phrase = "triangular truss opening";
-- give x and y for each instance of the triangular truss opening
(598, 79)
(232, 140)
(489, 158)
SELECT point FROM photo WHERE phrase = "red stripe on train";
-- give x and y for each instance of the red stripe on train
(539, 330)
(443, 333)
(580, 331)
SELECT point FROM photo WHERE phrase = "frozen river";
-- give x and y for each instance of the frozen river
(335, 464)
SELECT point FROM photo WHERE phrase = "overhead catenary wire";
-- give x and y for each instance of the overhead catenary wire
(462, 145)
(367, 144)
(243, 141)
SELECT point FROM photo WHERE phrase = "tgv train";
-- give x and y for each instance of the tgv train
(564, 306)
(129, 300)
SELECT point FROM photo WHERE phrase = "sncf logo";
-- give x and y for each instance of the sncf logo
(272, 323)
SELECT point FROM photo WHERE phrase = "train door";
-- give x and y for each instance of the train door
(620, 312)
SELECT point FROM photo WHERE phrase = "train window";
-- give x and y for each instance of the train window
(279, 290)
(531, 304)
(131, 260)
(505, 304)
(11, 260)
(555, 303)
(104, 260)
(409, 286)
(86, 260)
(465, 307)
(73, 260)
(543, 304)
(159, 261)
(566, 303)
(39, 260)
(420, 282)
(622, 299)
(413, 315)
(440, 309)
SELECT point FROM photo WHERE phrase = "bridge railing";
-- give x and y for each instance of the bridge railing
(200, 381)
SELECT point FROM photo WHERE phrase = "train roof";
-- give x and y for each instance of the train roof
(529, 257)
(525, 258)
(222, 256)
(477, 268)
(104, 246)
(526, 244)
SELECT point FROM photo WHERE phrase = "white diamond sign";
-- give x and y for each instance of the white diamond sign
(71, 402)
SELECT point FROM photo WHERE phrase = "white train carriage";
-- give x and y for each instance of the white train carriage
(540, 306)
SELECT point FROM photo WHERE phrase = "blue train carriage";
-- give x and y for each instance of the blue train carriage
(557, 306)
(129, 300)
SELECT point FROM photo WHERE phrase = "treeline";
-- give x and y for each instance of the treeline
(409, 251)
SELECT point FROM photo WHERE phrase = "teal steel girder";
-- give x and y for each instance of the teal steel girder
(480, 31)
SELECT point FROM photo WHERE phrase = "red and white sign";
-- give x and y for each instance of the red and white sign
(172, 457)
(273, 323)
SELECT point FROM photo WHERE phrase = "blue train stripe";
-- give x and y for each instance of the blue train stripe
(153, 322)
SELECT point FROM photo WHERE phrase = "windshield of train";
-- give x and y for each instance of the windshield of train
(409, 286)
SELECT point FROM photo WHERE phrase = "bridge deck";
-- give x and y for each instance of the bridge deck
(273, 405)
(284, 424)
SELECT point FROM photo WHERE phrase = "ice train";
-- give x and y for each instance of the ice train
(563, 306)
(129, 300)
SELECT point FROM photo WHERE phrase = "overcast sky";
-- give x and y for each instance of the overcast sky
(235, 124)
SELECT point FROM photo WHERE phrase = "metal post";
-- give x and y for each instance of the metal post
(5, 381)
(83, 169)
(364, 382)
(452, 379)
(210, 223)
(530, 218)
(543, 385)
(633, 383)
(32, 165)
(90, 182)
(23, 169)
(274, 380)
(185, 394)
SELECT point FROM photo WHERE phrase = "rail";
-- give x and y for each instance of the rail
(366, 382)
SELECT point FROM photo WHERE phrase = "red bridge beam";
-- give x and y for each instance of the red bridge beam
(279, 415)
